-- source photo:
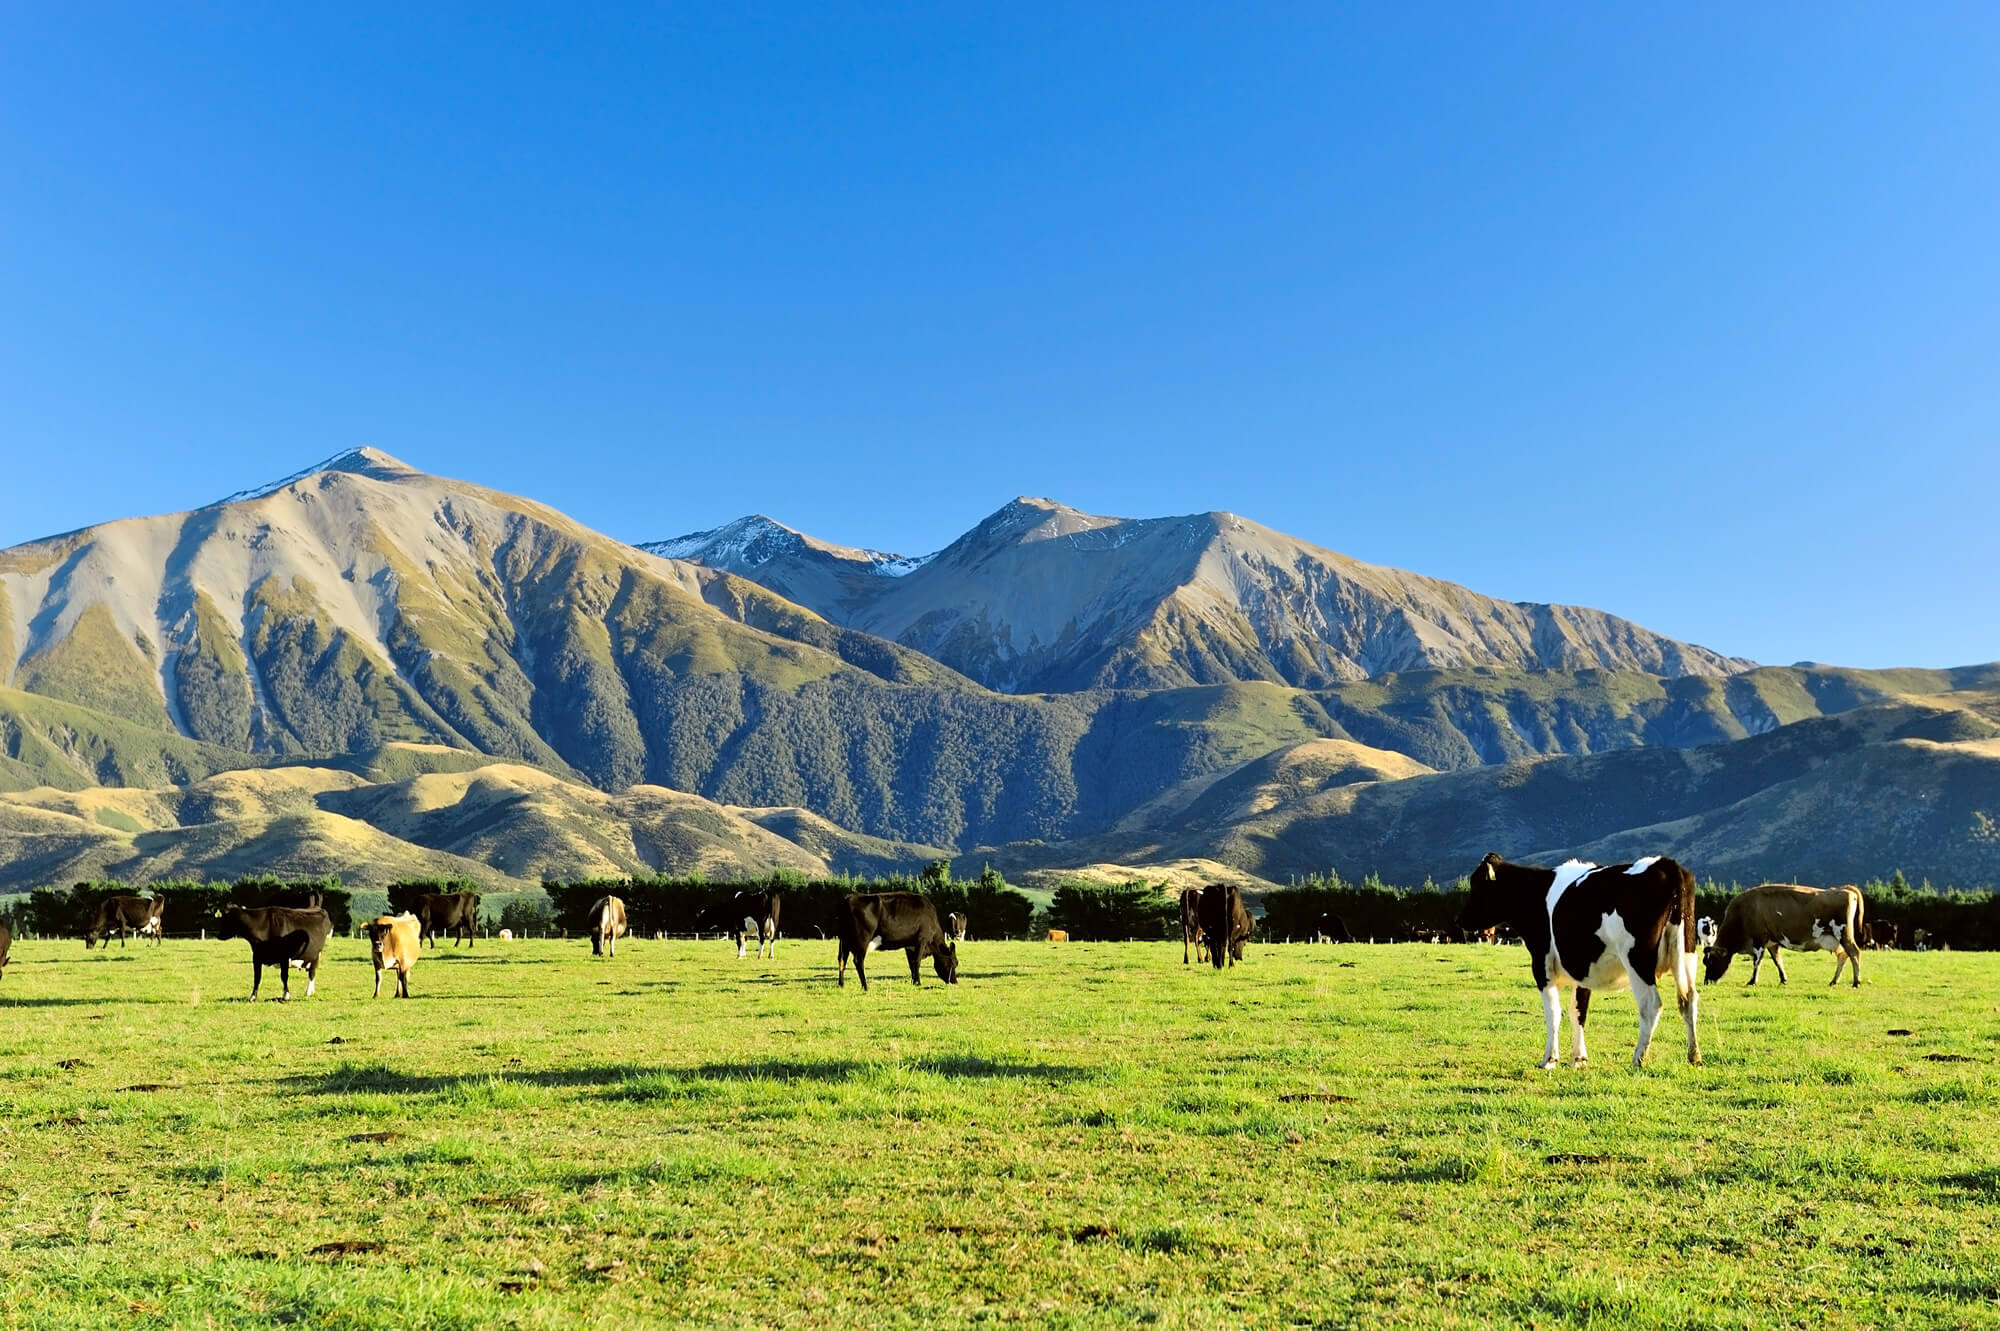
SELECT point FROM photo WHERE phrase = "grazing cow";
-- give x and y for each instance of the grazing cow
(396, 945)
(6, 941)
(895, 919)
(607, 926)
(278, 936)
(746, 916)
(1880, 933)
(1774, 915)
(126, 916)
(454, 913)
(955, 925)
(1193, 941)
(1596, 928)
(1330, 928)
(1058, 935)
(1225, 922)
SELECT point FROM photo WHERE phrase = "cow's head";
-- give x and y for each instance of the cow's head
(227, 922)
(1715, 964)
(945, 958)
(1486, 904)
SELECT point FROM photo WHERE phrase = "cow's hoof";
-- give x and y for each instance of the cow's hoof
(1546, 1064)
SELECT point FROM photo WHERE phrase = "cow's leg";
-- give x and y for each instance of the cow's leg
(860, 954)
(256, 977)
(285, 980)
(1690, 1011)
(843, 962)
(403, 983)
(378, 982)
(739, 945)
(1579, 1055)
(1552, 1017)
(1648, 994)
(1782, 977)
(1853, 963)
(916, 965)
(312, 977)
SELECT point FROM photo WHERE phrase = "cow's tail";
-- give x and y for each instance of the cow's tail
(1856, 909)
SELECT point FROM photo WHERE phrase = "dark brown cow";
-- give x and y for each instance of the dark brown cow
(751, 916)
(6, 941)
(280, 937)
(126, 916)
(894, 919)
(1881, 933)
(955, 925)
(454, 913)
(1194, 943)
(1225, 922)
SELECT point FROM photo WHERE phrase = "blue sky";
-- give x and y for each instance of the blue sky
(1691, 313)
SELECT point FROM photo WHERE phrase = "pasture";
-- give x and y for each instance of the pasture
(1084, 1135)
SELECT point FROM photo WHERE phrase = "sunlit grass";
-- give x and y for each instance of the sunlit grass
(1085, 1135)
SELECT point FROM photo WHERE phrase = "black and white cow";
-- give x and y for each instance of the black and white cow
(280, 937)
(1596, 928)
(749, 916)
(955, 925)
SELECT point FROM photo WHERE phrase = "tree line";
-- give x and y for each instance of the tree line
(67, 912)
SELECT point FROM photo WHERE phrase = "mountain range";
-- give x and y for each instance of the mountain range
(379, 672)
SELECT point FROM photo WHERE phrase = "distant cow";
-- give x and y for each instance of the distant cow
(278, 936)
(1225, 922)
(1194, 943)
(955, 925)
(506, 935)
(751, 916)
(1330, 928)
(6, 941)
(454, 913)
(1776, 915)
(894, 919)
(1596, 928)
(125, 916)
(1880, 933)
(607, 926)
(1058, 935)
(1920, 939)
(1704, 932)
(395, 945)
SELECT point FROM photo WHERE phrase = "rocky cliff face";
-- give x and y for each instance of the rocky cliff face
(1043, 598)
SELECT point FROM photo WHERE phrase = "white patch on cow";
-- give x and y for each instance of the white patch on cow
(1567, 874)
(874, 943)
(1640, 866)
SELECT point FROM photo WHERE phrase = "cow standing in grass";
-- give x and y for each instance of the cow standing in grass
(1596, 928)
(607, 926)
(746, 916)
(1225, 923)
(1774, 915)
(894, 919)
(280, 937)
(126, 916)
(6, 942)
(955, 925)
(395, 945)
(454, 913)
(1194, 943)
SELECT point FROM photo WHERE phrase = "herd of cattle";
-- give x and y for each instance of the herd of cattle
(1587, 928)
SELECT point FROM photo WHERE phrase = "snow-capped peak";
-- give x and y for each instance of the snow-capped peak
(751, 542)
(362, 461)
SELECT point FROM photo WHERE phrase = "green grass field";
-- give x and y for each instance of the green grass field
(1087, 1135)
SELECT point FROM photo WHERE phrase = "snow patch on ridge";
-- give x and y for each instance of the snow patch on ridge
(364, 460)
(752, 542)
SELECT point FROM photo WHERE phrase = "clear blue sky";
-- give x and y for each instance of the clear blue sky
(1688, 312)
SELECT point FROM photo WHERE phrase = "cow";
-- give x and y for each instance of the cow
(607, 926)
(454, 913)
(747, 915)
(1194, 943)
(1058, 935)
(894, 919)
(1920, 939)
(126, 916)
(279, 936)
(955, 926)
(1775, 915)
(1330, 928)
(506, 935)
(1596, 928)
(1225, 922)
(395, 945)
(6, 942)
(1704, 932)
(1880, 933)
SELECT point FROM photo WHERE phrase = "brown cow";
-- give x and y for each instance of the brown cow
(607, 926)
(454, 913)
(1058, 935)
(1226, 923)
(278, 937)
(6, 941)
(125, 916)
(1193, 941)
(395, 946)
(1774, 915)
